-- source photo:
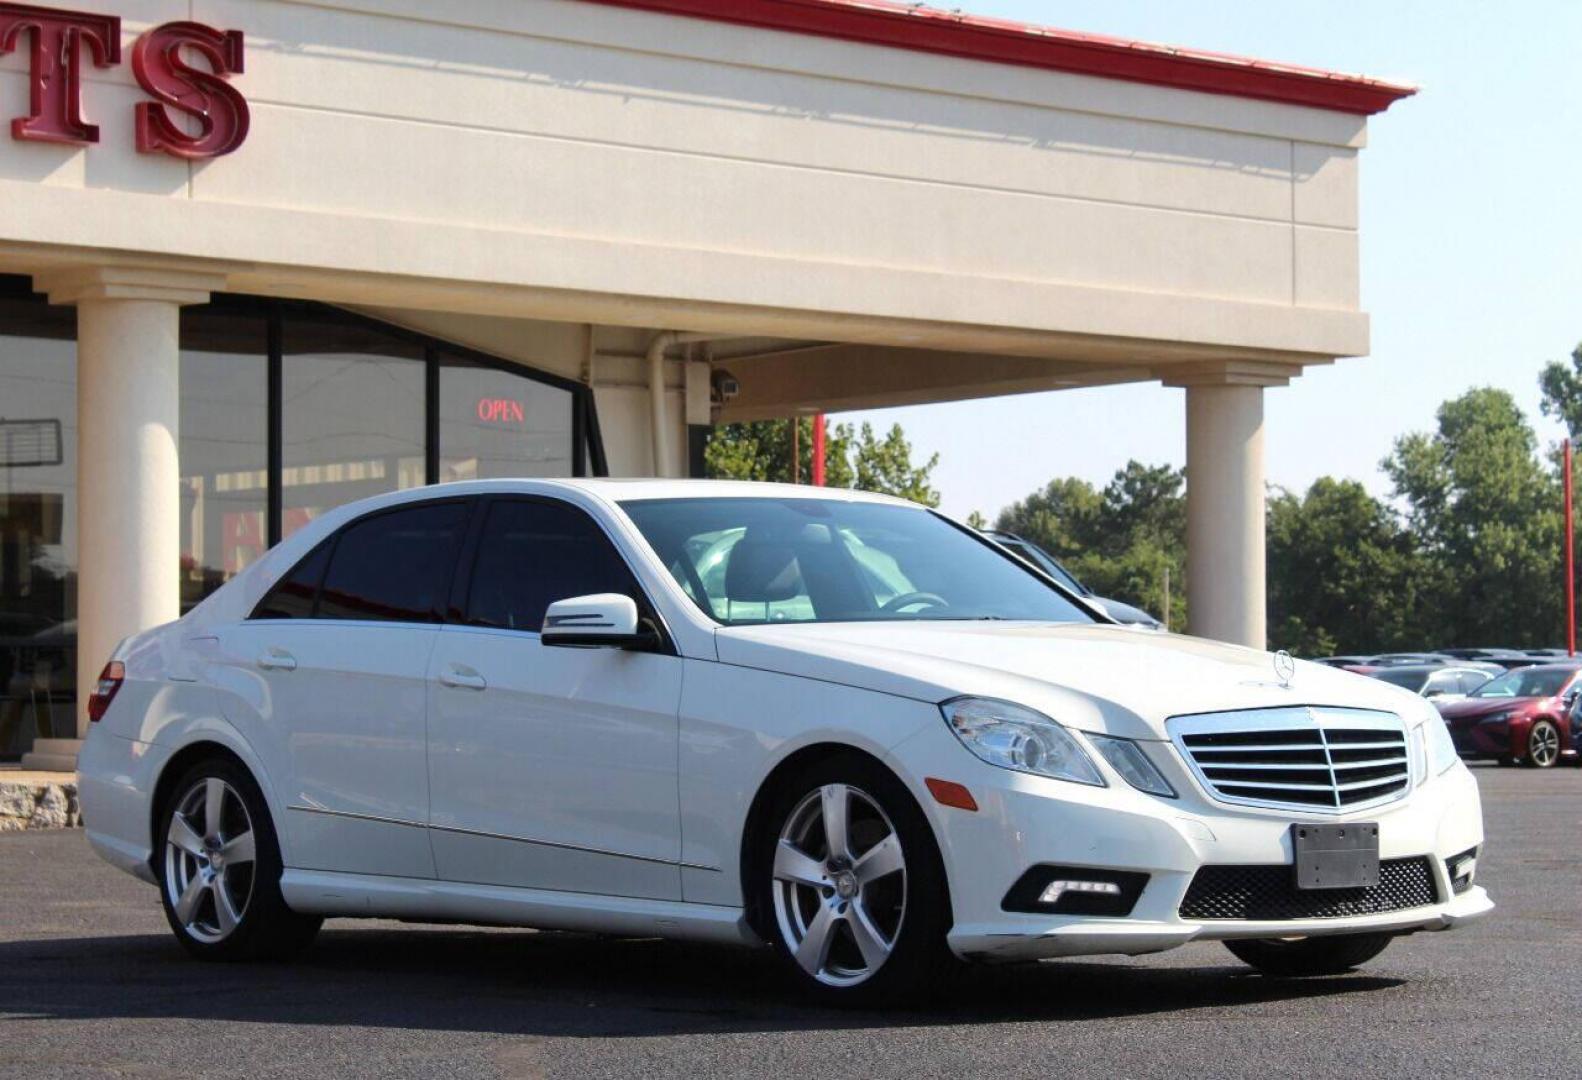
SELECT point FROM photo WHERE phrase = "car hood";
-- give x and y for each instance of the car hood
(1095, 677)
(1476, 708)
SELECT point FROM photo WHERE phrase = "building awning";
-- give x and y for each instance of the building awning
(1002, 41)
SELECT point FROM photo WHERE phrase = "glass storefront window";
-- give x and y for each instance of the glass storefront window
(38, 520)
(494, 423)
(224, 446)
(353, 415)
(358, 404)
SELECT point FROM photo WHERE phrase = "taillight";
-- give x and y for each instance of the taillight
(110, 680)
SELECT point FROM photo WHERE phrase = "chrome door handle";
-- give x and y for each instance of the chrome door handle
(277, 660)
(461, 677)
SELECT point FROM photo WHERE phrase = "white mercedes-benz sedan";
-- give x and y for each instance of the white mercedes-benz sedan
(837, 723)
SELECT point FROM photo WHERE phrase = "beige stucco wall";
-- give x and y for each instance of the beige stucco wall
(567, 161)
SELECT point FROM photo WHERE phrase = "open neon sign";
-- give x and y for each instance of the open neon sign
(501, 411)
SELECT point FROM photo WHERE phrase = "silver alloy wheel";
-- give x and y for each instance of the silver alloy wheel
(1543, 745)
(210, 860)
(839, 885)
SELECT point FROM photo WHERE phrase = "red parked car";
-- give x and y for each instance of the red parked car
(1524, 716)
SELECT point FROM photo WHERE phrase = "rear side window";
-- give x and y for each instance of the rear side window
(534, 553)
(293, 595)
(395, 566)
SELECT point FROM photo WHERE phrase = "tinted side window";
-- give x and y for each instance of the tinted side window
(293, 595)
(395, 566)
(534, 553)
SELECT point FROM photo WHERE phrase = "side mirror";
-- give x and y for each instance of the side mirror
(603, 620)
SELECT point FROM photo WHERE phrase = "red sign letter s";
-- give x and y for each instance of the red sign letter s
(216, 105)
(56, 71)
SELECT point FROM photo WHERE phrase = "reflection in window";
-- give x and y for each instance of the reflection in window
(38, 520)
(353, 415)
(493, 424)
(224, 447)
(534, 553)
(394, 566)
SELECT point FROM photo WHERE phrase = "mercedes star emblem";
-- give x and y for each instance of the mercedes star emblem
(1284, 668)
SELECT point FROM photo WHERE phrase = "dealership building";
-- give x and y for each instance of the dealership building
(260, 257)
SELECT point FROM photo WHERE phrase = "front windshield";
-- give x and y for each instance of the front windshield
(1526, 682)
(761, 560)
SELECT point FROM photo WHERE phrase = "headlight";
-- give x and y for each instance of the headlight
(1441, 750)
(1128, 759)
(1498, 718)
(1014, 737)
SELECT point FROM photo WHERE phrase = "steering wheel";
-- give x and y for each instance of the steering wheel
(905, 600)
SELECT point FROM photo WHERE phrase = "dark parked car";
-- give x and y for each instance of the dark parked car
(1031, 552)
(1397, 659)
(1506, 658)
(1344, 661)
(1438, 682)
(1524, 716)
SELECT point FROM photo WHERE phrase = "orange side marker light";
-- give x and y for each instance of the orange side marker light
(950, 793)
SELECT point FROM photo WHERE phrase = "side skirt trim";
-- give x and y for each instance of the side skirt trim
(323, 892)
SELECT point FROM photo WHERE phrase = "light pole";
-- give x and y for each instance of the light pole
(1571, 570)
(818, 449)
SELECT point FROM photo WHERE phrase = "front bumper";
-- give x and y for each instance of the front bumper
(1482, 740)
(1025, 821)
(1133, 937)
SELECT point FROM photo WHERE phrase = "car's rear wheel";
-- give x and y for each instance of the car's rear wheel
(220, 868)
(1543, 745)
(851, 888)
(1304, 957)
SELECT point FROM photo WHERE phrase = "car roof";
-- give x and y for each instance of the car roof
(624, 489)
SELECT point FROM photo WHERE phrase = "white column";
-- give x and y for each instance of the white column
(1225, 513)
(128, 475)
(1226, 588)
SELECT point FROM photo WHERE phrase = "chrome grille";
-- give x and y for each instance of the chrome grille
(1319, 759)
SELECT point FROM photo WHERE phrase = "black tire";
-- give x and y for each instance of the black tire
(1309, 956)
(264, 928)
(918, 963)
(1536, 758)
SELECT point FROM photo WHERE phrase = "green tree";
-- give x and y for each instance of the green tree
(885, 465)
(853, 458)
(1561, 385)
(1343, 574)
(1121, 541)
(1484, 513)
(761, 450)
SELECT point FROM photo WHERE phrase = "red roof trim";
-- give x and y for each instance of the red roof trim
(924, 29)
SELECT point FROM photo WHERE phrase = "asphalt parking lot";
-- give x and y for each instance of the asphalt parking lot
(92, 984)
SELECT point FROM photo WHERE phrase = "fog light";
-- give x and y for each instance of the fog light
(1463, 868)
(1076, 890)
(1056, 889)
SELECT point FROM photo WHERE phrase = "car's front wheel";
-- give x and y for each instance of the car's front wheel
(1302, 957)
(1543, 745)
(220, 868)
(850, 886)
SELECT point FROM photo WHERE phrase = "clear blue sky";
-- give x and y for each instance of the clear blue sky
(1471, 243)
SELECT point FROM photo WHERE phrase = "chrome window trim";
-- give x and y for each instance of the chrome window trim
(1318, 719)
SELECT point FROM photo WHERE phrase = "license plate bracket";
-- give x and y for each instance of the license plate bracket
(1336, 856)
